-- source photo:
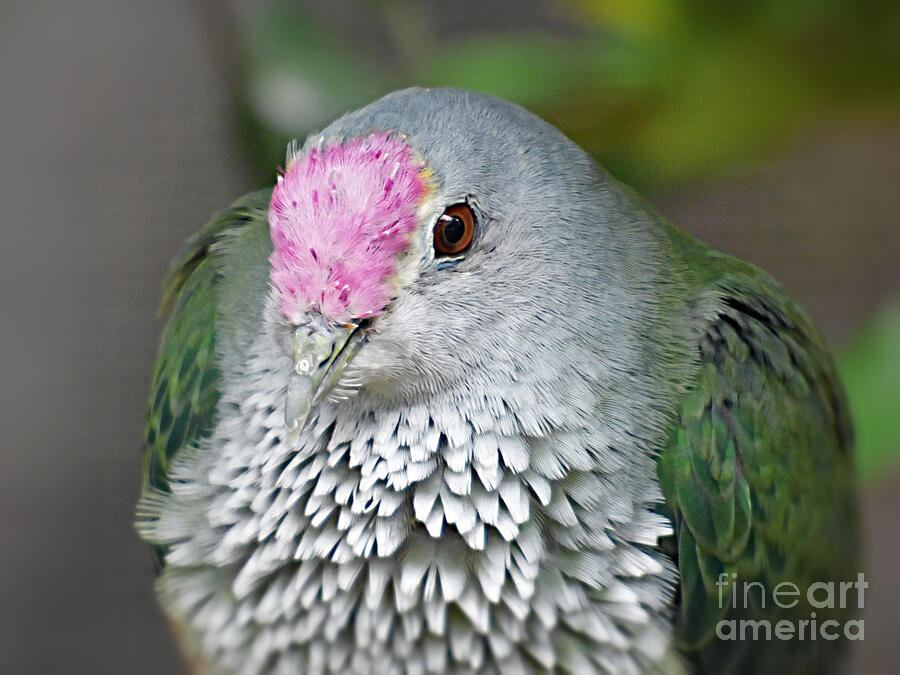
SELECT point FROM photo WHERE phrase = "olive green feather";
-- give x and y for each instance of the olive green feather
(758, 478)
(185, 391)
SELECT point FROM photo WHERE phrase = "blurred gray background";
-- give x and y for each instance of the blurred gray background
(118, 140)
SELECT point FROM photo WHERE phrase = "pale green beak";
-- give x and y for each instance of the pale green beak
(320, 355)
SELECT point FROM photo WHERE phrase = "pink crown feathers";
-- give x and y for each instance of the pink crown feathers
(338, 218)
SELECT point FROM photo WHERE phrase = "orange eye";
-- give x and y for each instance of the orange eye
(454, 230)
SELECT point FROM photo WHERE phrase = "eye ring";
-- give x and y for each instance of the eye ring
(454, 230)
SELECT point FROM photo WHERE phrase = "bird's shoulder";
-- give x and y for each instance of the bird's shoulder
(185, 386)
(757, 472)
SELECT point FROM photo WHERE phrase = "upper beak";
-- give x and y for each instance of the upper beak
(320, 354)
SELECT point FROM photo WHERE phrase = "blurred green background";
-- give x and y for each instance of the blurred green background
(661, 92)
(768, 129)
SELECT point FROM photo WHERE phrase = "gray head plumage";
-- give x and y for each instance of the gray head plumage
(560, 283)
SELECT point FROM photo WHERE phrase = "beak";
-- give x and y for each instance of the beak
(320, 354)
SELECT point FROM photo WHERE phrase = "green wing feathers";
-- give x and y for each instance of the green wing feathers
(185, 381)
(758, 479)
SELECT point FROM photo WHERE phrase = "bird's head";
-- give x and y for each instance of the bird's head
(439, 241)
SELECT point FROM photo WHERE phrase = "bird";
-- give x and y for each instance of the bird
(448, 397)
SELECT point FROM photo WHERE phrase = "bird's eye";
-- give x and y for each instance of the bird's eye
(454, 230)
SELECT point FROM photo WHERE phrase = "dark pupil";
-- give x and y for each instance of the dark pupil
(454, 230)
